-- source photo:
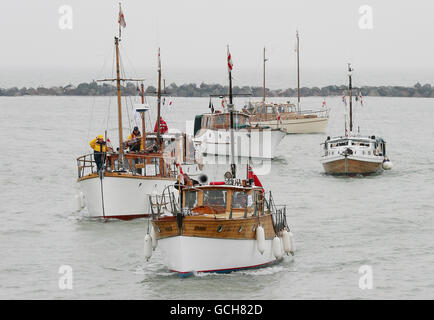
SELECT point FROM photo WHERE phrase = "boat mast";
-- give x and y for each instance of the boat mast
(263, 97)
(118, 88)
(231, 116)
(298, 72)
(142, 93)
(350, 89)
(159, 101)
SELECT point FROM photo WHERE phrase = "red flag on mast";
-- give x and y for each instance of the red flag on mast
(121, 19)
(230, 63)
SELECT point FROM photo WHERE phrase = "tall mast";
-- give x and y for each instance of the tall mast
(350, 89)
(231, 116)
(142, 93)
(264, 95)
(159, 100)
(298, 72)
(118, 87)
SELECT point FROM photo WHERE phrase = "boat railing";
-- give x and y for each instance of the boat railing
(136, 164)
(278, 214)
(164, 203)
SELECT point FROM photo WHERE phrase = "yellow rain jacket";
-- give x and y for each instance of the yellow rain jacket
(98, 147)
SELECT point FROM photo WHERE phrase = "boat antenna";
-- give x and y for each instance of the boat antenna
(231, 115)
(298, 71)
(265, 92)
(350, 89)
(159, 101)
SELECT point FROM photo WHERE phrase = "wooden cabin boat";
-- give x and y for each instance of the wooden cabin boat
(121, 189)
(353, 153)
(219, 227)
(287, 116)
(212, 132)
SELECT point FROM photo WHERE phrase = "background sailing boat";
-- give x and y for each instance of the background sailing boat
(287, 116)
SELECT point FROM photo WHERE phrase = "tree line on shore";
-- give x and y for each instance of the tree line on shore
(205, 90)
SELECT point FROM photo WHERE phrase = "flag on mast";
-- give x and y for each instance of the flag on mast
(230, 63)
(121, 19)
(344, 99)
(361, 98)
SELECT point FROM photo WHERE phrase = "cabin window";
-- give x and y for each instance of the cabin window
(191, 199)
(343, 143)
(270, 110)
(237, 120)
(369, 152)
(239, 200)
(281, 109)
(220, 120)
(215, 197)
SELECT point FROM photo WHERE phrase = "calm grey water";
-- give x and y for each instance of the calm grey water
(340, 224)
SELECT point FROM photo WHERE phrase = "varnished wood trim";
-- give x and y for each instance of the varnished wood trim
(207, 227)
(352, 167)
(124, 175)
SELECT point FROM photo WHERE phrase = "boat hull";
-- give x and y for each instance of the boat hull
(247, 143)
(122, 197)
(297, 126)
(350, 165)
(187, 255)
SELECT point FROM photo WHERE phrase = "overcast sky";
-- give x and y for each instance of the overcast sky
(193, 35)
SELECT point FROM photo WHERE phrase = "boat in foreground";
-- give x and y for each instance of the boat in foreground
(220, 227)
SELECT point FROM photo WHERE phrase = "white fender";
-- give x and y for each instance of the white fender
(292, 240)
(286, 242)
(277, 247)
(148, 247)
(153, 238)
(387, 165)
(260, 239)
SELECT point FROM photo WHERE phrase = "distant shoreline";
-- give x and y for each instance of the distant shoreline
(205, 90)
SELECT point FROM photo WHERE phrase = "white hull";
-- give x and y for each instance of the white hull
(186, 255)
(294, 126)
(247, 143)
(124, 198)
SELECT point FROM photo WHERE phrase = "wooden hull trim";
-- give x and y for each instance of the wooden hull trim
(348, 166)
(125, 176)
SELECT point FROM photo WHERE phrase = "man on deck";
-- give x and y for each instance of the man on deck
(99, 147)
(137, 146)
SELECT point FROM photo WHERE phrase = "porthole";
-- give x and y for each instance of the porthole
(220, 229)
(254, 228)
(240, 229)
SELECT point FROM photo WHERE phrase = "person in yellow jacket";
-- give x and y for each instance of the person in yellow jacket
(99, 147)
(138, 145)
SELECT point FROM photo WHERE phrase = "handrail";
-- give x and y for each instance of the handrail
(135, 163)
